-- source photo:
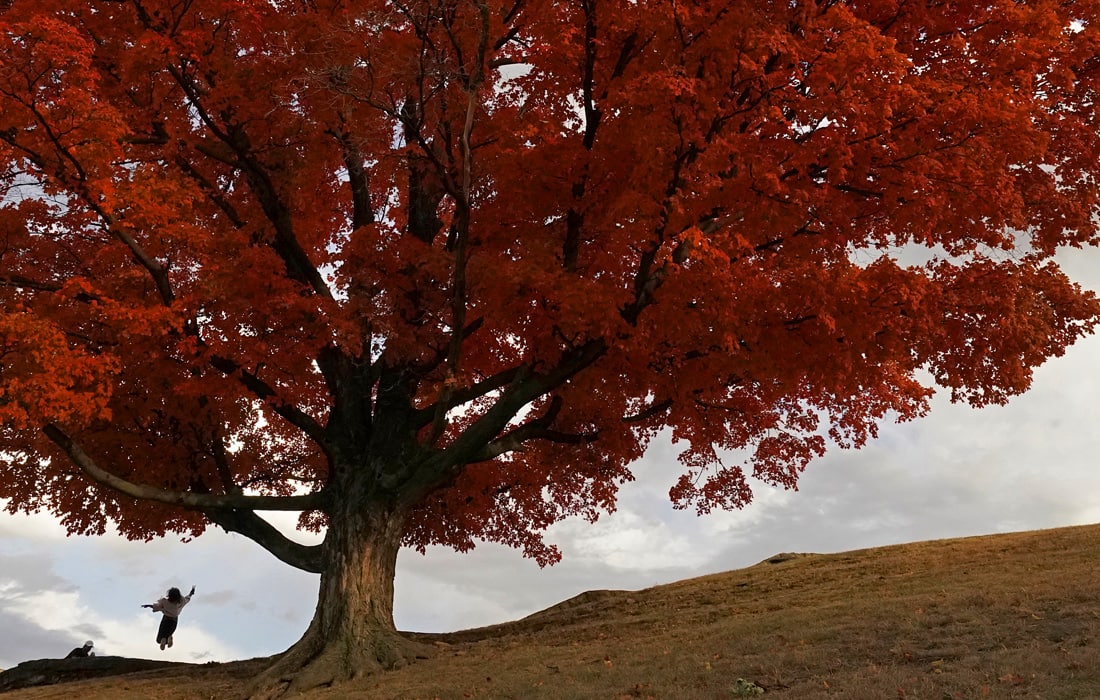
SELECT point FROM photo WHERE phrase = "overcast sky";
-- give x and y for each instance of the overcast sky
(957, 472)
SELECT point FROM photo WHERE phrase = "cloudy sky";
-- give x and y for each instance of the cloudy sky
(958, 472)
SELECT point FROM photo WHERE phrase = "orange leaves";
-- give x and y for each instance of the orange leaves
(49, 89)
(768, 219)
(1000, 321)
(44, 380)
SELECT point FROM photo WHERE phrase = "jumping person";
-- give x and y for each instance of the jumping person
(170, 605)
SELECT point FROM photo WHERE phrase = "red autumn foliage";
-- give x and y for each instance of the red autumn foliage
(438, 271)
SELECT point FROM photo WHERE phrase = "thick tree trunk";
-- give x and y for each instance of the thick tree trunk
(352, 633)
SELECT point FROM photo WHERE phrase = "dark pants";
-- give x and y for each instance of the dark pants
(167, 628)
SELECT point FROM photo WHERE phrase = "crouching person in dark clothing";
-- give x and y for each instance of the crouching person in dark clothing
(81, 652)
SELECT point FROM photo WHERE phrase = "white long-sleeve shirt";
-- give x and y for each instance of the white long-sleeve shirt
(169, 608)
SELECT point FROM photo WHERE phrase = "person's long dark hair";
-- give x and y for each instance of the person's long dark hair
(174, 595)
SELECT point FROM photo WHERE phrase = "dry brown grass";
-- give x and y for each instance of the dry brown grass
(1007, 616)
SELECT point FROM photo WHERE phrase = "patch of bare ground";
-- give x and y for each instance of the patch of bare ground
(1006, 616)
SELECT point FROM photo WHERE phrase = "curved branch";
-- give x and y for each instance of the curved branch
(245, 522)
(183, 499)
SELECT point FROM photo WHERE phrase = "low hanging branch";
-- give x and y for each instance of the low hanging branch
(245, 522)
(184, 499)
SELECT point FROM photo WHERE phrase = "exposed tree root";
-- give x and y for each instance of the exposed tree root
(312, 663)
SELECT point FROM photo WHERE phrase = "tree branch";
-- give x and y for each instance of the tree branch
(649, 411)
(212, 192)
(79, 187)
(476, 391)
(285, 244)
(183, 499)
(245, 522)
(362, 212)
(28, 283)
(294, 415)
(537, 429)
(424, 368)
(461, 225)
(526, 387)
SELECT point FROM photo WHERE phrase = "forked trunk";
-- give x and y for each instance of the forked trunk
(352, 633)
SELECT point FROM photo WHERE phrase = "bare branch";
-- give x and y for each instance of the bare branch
(245, 522)
(183, 499)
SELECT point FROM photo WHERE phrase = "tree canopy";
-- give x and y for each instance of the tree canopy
(437, 271)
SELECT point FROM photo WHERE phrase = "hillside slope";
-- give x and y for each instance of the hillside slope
(1005, 616)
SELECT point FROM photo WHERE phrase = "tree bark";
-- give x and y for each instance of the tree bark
(352, 633)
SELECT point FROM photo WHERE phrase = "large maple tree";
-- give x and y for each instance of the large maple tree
(436, 271)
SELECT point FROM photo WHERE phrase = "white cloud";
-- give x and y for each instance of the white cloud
(67, 614)
(630, 541)
(39, 528)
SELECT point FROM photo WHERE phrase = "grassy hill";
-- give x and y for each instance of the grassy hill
(1004, 616)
